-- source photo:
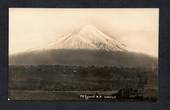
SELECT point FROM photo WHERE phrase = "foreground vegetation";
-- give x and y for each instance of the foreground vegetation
(79, 78)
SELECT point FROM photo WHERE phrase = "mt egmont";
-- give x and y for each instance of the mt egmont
(88, 37)
(84, 47)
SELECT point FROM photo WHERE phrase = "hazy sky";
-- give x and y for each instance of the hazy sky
(36, 27)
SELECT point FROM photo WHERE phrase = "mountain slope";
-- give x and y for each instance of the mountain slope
(86, 46)
(84, 58)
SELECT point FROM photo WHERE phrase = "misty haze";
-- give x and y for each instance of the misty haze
(84, 61)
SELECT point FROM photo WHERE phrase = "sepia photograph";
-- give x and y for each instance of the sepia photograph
(83, 54)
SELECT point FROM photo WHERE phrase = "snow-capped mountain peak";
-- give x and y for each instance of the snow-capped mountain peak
(87, 37)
